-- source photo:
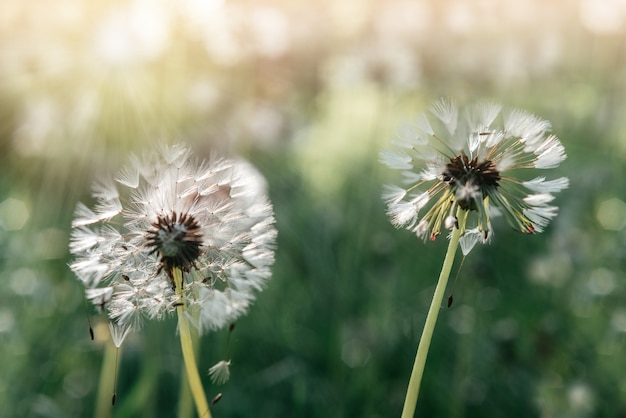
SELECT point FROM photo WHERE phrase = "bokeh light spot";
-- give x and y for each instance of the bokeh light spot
(24, 282)
(618, 320)
(580, 397)
(601, 281)
(355, 353)
(7, 320)
(611, 214)
(602, 16)
(553, 270)
(128, 36)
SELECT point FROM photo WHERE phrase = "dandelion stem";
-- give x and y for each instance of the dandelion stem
(186, 343)
(107, 381)
(431, 319)
(185, 400)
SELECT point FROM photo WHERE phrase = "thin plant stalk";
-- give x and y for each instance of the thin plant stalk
(415, 381)
(107, 380)
(185, 400)
(195, 384)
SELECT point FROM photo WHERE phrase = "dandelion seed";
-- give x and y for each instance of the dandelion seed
(91, 333)
(169, 211)
(220, 372)
(216, 398)
(471, 160)
(118, 335)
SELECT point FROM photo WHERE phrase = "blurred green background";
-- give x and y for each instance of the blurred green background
(310, 92)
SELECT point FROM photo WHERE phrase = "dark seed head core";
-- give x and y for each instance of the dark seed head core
(462, 172)
(177, 239)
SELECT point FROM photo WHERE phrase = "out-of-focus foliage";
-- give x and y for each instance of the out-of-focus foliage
(310, 92)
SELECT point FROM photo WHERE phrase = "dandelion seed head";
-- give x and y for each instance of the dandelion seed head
(474, 159)
(166, 210)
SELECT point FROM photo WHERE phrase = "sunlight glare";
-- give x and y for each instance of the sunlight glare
(125, 37)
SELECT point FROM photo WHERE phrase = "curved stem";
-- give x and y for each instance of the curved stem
(431, 319)
(191, 368)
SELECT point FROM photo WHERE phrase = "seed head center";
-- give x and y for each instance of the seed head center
(172, 241)
(177, 240)
(470, 179)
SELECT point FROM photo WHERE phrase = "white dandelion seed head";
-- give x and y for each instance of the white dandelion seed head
(212, 220)
(478, 159)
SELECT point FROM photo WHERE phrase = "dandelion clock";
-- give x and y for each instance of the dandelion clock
(459, 168)
(171, 233)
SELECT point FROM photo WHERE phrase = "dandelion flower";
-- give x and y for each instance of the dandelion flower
(460, 168)
(477, 160)
(167, 211)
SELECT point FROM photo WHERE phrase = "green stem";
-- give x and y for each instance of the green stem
(431, 319)
(185, 400)
(186, 343)
(107, 381)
